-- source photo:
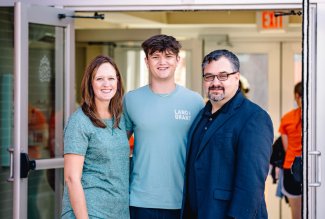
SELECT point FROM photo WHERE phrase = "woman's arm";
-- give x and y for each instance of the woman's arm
(73, 165)
(284, 141)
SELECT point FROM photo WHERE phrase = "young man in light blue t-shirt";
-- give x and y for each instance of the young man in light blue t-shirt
(160, 115)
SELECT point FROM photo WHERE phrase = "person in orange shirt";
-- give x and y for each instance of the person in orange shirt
(131, 142)
(291, 133)
(37, 132)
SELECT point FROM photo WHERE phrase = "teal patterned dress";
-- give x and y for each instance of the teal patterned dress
(105, 176)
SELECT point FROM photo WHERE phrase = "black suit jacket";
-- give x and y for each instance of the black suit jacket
(232, 163)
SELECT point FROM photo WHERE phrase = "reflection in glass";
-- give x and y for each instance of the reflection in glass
(41, 196)
(43, 114)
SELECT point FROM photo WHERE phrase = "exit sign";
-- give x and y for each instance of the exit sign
(266, 20)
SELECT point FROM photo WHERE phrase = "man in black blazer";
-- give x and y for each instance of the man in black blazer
(228, 150)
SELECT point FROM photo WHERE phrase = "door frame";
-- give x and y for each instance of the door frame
(25, 14)
(317, 65)
(313, 114)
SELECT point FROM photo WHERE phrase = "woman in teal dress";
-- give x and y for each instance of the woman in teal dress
(96, 149)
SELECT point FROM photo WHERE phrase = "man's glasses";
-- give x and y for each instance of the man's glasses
(222, 76)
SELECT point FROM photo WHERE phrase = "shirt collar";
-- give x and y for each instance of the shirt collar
(208, 107)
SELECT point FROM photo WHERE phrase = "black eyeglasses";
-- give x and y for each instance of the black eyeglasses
(222, 76)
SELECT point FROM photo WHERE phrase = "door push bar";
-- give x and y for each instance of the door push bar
(319, 169)
(26, 165)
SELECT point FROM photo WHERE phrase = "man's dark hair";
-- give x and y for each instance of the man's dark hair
(217, 54)
(298, 89)
(161, 43)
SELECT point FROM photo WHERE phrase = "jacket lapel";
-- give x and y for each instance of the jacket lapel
(227, 113)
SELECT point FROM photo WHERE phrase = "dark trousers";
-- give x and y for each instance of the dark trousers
(154, 213)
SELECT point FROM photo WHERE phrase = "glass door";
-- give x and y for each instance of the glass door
(43, 99)
(6, 106)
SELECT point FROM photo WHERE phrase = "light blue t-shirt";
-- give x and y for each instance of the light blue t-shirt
(105, 174)
(160, 124)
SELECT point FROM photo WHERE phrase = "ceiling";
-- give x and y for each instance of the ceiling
(138, 25)
(170, 19)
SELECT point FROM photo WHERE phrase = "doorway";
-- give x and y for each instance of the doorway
(244, 39)
(270, 61)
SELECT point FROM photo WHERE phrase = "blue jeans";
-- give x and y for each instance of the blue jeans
(154, 213)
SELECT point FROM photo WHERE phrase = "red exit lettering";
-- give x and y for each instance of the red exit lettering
(269, 21)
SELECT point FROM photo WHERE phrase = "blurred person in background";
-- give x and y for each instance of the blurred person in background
(291, 134)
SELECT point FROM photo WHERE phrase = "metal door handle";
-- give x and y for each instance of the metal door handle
(318, 171)
(11, 165)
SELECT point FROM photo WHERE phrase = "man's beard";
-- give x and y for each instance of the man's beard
(216, 97)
